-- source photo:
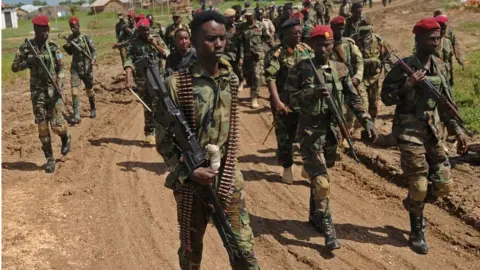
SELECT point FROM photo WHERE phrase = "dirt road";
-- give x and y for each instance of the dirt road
(106, 208)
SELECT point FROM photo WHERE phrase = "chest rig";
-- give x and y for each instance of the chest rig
(225, 187)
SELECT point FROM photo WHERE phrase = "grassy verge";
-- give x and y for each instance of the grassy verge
(468, 99)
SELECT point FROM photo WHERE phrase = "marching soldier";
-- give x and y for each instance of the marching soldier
(328, 9)
(320, 11)
(153, 47)
(345, 9)
(127, 31)
(170, 31)
(184, 56)
(81, 70)
(352, 22)
(47, 101)
(424, 162)
(450, 35)
(445, 51)
(278, 63)
(232, 50)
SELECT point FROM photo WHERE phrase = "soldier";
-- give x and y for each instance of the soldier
(271, 12)
(320, 11)
(153, 47)
(445, 51)
(328, 9)
(374, 54)
(126, 34)
(170, 31)
(253, 34)
(119, 26)
(286, 14)
(81, 69)
(210, 74)
(266, 22)
(346, 52)
(184, 56)
(278, 63)
(370, 3)
(345, 9)
(423, 159)
(232, 50)
(450, 35)
(317, 133)
(352, 22)
(238, 13)
(47, 102)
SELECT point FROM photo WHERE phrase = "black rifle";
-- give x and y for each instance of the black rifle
(430, 91)
(192, 154)
(76, 46)
(45, 68)
(337, 113)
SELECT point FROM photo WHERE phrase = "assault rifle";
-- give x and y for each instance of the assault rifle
(192, 154)
(430, 91)
(76, 46)
(45, 68)
(337, 113)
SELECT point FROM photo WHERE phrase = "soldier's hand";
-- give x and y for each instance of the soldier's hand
(31, 60)
(281, 108)
(355, 82)
(115, 46)
(322, 92)
(203, 176)
(462, 145)
(415, 78)
(372, 132)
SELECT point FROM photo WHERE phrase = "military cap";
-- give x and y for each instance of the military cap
(41, 20)
(229, 12)
(298, 15)
(290, 23)
(140, 16)
(305, 10)
(425, 25)
(356, 6)
(442, 19)
(338, 20)
(247, 4)
(73, 20)
(322, 31)
(131, 14)
(143, 23)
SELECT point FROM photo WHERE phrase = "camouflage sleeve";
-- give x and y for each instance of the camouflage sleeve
(272, 66)
(93, 49)
(352, 99)
(456, 47)
(161, 44)
(393, 83)
(20, 60)
(265, 36)
(238, 40)
(129, 58)
(68, 47)
(358, 58)
(165, 143)
(59, 65)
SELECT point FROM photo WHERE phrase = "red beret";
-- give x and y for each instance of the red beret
(322, 31)
(305, 10)
(298, 15)
(131, 13)
(441, 19)
(425, 25)
(143, 23)
(338, 20)
(74, 20)
(41, 20)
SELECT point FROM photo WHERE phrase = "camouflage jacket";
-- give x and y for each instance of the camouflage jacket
(373, 53)
(307, 29)
(232, 48)
(445, 52)
(138, 49)
(416, 115)
(328, 7)
(50, 54)
(80, 63)
(125, 34)
(281, 59)
(319, 8)
(349, 54)
(351, 27)
(212, 106)
(170, 35)
(252, 38)
(456, 46)
(304, 95)
(176, 61)
(118, 29)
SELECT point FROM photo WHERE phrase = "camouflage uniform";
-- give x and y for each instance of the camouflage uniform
(318, 134)
(445, 52)
(124, 38)
(320, 11)
(170, 35)
(278, 63)
(348, 53)
(351, 27)
(232, 50)
(425, 164)
(176, 61)
(138, 49)
(81, 69)
(345, 10)
(455, 45)
(252, 38)
(215, 131)
(373, 51)
(48, 106)
(328, 9)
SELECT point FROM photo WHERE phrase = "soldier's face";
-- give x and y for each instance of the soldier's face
(182, 40)
(249, 18)
(210, 41)
(443, 29)
(230, 20)
(177, 19)
(293, 35)
(429, 42)
(144, 32)
(75, 28)
(41, 32)
(338, 31)
(357, 14)
(322, 47)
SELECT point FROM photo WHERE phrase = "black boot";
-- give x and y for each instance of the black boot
(66, 140)
(75, 119)
(93, 112)
(315, 217)
(47, 150)
(417, 241)
(331, 241)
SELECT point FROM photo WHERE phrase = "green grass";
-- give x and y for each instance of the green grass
(470, 27)
(465, 95)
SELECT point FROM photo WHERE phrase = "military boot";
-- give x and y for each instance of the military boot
(76, 112)
(417, 241)
(47, 150)
(93, 111)
(331, 241)
(66, 141)
(287, 177)
(255, 103)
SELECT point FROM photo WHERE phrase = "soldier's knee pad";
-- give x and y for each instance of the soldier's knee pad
(442, 188)
(43, 130)
(59, 129)
(418, 189)
(322, 186)
(90, 92)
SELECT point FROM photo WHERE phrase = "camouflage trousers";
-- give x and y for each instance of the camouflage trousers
(370, 88)
(76, 80)
(149, 127)
(48, 114)
(253, 70)
(349, 116)
(318, 147)
(426, 168)
(238, 217)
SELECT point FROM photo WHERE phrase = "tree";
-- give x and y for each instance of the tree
(39, 3)
(19, 4)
